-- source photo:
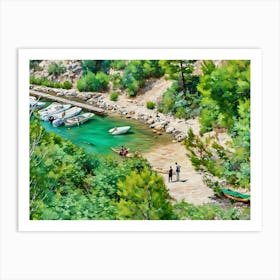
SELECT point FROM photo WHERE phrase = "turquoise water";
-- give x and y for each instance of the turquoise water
(93, 135)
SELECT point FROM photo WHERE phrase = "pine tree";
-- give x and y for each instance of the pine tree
(143, 196)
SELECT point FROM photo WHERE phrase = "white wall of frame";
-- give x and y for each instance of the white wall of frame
(139, 24)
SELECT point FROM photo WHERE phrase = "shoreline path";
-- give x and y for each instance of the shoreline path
(191, 187)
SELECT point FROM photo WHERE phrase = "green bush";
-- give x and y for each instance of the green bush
(114, 96)
(56, 68)
(67, 85)
(118, 64)
(34, 64)
(93, 82)
(46, 83)
(189, 211)
(136, 72)
(150, 105)
(95, 66)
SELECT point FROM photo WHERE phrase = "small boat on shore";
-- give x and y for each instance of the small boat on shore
(237, 196)
(77, 120)
(119, 130)
(52, 109)
(34, 103)
(58, 119)
(117, 151)
(160, 170)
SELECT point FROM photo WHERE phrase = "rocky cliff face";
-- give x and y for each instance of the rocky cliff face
(73, 71)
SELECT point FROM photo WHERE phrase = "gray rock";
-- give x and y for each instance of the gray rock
(76, 69)
(71, 94)
(150, 121)
(158, 127)
(169, 129)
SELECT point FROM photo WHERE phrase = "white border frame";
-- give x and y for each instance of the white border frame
(254, 224)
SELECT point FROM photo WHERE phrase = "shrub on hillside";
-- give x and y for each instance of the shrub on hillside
(46, 83)
(136, 72)
(67, 85)
(114, 96)
(92, 82)
(150, 105)
(118, 64)
(95, 66)
(56, 68)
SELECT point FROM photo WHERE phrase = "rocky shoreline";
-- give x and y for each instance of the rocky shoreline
(130, 108)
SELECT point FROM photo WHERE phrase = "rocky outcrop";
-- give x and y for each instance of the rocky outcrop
(73, 71)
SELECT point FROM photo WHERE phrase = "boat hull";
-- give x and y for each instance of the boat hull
(59, 119)
(119, 130)
(236, 196)
(53, 111)
(78, 120)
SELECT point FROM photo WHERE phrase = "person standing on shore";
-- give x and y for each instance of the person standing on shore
(170, 174)
(178, 167)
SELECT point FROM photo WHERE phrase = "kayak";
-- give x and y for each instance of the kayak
(236, 195)
(117, 151)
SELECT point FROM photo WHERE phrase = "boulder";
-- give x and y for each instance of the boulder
(76, 69)
(146, 117)
(69, 93)
(150, 121)
(169, 129)
(158, 127)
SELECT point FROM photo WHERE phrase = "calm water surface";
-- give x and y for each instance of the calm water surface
(93, 135)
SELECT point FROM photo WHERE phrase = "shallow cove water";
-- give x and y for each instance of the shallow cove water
(94, 137)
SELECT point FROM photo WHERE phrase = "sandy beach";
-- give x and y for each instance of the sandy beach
(191, 187)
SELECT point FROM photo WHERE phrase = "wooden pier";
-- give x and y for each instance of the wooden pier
(84, 106)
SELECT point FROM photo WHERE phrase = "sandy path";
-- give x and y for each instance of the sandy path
(155, 93)
(191, 187)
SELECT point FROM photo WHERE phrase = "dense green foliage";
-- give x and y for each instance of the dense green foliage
(223, 89)
(118, 64)
(143, 196)
(182, 98)
(182, 105)
(150, 105)
(34, 64)
(231, 164)
(187, 211)
(47, 83)
(56, 68)
(66, 183)
(93, 82)
(114, 96)
(225, 101)
(137, 71)
(95, 66)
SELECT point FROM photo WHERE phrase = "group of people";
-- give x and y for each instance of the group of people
(170, 172)
(123, 151)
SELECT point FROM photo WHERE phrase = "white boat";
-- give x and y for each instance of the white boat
(119, 130)
(58, 119)
(34, 103)
(77, 120)
(54, 108)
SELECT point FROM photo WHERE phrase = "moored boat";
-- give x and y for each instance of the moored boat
(58, 119)
(34, 103)
(236, 195)
(119, 130)
(52, 109)
(77, 120)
